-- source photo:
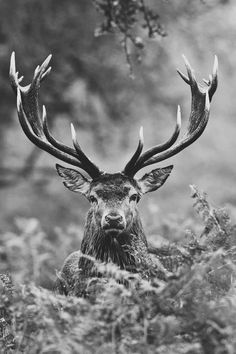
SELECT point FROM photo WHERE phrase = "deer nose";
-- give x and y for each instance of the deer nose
(113, 219)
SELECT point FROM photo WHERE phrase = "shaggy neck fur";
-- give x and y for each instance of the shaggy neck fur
(124, 250)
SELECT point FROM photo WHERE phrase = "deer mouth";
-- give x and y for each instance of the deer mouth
(113, 231)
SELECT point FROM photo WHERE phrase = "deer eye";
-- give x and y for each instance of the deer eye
(134, 198)
(92, 199)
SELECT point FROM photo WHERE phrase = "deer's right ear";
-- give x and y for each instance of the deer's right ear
(73, 180)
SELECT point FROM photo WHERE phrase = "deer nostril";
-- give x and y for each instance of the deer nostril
(113, 222)
(113, 218)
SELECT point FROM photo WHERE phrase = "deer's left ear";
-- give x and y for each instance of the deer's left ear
(74, 180)
(154, 179)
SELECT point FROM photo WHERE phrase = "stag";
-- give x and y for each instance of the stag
(113, 229)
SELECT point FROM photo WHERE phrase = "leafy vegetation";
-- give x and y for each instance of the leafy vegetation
(193, 311)
(124, 16)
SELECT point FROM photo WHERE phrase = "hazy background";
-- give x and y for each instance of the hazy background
(90, 85)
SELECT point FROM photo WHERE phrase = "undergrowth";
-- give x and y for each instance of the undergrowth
(193, 311)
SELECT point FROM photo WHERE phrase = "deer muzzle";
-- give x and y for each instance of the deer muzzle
(113, 222)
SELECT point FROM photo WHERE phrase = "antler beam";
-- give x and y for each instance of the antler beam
(34, 124)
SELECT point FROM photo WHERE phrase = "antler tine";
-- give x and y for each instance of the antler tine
(52, 140)
(13, 75)
(162, 147)
(136, 161)
(42, 71)
(187, 140)
(191, 74)
(30, 92)
(91, 168)
(214, 81)
(129, 167)
(12, 72)
(35, 125)
(42, 144)
(200, 109)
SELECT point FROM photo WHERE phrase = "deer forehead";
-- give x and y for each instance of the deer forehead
(113, 186)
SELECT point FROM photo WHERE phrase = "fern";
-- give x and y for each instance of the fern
(218, 231)
(191, 310)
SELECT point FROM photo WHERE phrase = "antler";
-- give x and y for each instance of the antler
(34, 124)
(200, 109)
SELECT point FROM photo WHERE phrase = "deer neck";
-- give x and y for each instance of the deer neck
(123, 250)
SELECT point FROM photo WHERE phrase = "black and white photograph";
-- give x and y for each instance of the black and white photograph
(117, 177)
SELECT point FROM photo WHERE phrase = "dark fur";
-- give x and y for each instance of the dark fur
(107, 248)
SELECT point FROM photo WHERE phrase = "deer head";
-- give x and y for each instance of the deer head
(113, 197)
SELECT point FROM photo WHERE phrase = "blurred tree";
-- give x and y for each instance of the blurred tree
(35, 28)
(86, 65)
